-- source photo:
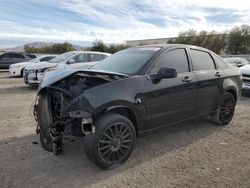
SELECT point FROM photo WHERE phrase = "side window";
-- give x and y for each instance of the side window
(221, 64)
(176, 58)
(80, 58)
(19, 56)
(201, 60)
(7, 55)
(97, 57)
(46, 58)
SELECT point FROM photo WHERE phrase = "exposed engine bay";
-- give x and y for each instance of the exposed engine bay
(59, 96)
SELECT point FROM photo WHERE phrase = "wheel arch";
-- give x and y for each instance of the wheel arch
(233, 91)
(124, 111)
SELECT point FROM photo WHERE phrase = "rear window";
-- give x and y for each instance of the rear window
(221, 64)
(97, 57)
(201, 60)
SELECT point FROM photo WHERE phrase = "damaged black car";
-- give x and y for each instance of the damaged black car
(130, 93)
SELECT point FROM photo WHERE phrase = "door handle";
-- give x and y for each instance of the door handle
(218, 74)
(187, 79)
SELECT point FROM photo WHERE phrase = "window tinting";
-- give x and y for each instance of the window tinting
(80, 58)
(19, 56)
(174, 59)
(201, 60)
(47, 58)
(97, 57)
(220, 62)
(7, 55)
(31, 56)
(128, 61)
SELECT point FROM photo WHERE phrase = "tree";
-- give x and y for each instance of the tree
(98, 45)
(211, 40)
(239, 40)
(55, 48)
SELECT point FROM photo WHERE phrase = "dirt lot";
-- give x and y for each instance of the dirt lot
(194, 154)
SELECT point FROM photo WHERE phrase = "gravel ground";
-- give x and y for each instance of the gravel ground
(192, 154)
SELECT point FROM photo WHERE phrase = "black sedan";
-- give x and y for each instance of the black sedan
(132, 92)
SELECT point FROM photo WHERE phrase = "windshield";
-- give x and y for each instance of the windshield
(128, 61)
(61, 58)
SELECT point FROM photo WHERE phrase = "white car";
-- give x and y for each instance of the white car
(18, 68)
(236, 61)
(245, 71)
(75, 59)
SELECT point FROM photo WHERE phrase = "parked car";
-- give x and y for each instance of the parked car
(8, 58)
(34, 73)
(245, 71)
(18, 68)
(132, 92)
(237, 61)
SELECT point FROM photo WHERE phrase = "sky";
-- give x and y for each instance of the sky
(113, 21)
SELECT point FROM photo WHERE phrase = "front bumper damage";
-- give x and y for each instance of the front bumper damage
(68, 111)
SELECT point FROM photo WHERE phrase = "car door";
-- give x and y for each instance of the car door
(208, 84)
(80, 61)
(171, 100)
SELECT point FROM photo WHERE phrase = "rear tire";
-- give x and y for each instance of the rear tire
(43, 119)
(113, 141)
(226, 110)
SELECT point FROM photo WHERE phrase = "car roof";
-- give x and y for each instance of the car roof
(165, 46)
(92, 52)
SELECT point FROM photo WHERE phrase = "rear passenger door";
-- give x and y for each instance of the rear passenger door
(208, 85)
(171, 100)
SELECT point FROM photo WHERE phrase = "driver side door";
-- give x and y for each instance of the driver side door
(171, 100)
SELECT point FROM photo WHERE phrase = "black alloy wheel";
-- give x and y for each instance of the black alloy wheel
(226, 109)
(113, 141)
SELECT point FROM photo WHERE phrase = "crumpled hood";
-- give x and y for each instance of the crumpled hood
(41, 65)
(52, 77)
(245, 69)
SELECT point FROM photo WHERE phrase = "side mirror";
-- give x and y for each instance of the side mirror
(71, 61)
(164, 72)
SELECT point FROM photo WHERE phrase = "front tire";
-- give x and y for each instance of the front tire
(43, 120)
(226, 110)
(113, 141)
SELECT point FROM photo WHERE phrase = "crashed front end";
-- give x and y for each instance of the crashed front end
(61, 108)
